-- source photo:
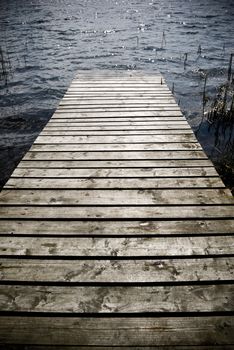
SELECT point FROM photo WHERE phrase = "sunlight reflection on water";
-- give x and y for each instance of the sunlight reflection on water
(44, 43)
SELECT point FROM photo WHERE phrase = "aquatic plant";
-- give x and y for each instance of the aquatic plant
(185, 59)
(222, 106)
(5, 67)
(199, 50)
(204, 96)
(163, 42)
(173, 88)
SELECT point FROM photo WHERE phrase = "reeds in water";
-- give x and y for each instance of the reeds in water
(5, 67)
(163, 42)
(222, 107)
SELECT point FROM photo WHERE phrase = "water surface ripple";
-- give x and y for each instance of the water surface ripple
(45, 42)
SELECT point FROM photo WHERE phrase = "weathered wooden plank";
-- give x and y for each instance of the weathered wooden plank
(122, 127)
(114, 197)
(116, 163)
(115, 139)
(115, 300)
(144, 126)
(121, 103)
(79, 109)
(119, 95)
(76, 131)
(54, 152)
(132, 331)
(125, 101)
(76, 119)
(117, 271)
(101, 183)
(115, 172)
(119, 247)
(118, 123)
(117, 228)
(140, 107)
(200, 212)
(167, 146)
(108, 114)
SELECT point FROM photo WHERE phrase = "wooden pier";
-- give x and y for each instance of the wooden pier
(116, 230)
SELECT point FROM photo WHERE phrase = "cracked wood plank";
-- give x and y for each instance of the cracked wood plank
(115, 197)
(119, 247)
(115, 300)
(116, 271)
(117, 228)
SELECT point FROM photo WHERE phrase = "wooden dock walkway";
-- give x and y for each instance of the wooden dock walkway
(116, 230)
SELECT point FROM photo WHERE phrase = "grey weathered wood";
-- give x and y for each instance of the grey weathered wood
(116, 189)
(55, 152)
(114, 300)
(132, 331)
(119, 247)
(118, 127)
(108, 114)
(117, 271)
(159, 124)
(114, 197)
(77, 119)
(116, 228)
(116, 172)
(101, 183)
(129, 101)
(115, 139)
(116, 163)
(125, 212)
(119, 95)
(102, 146)
(141, 109)
(76, 131)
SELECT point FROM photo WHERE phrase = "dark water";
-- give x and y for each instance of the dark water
(45, 42)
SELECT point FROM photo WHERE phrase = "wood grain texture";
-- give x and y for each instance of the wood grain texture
(120, 122)
(59, 131)
(116, 139)
(111, 183)
(141, 109)
(117, 271)
(123, 102)
(68, 152)
(115, 300)
(58, 118)
(116, 197)
(116, 212)
(102, 146)
(119, 247)
(117, 228)
(116, 172)
(132, 331)
(116, 163)
(110, 114)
